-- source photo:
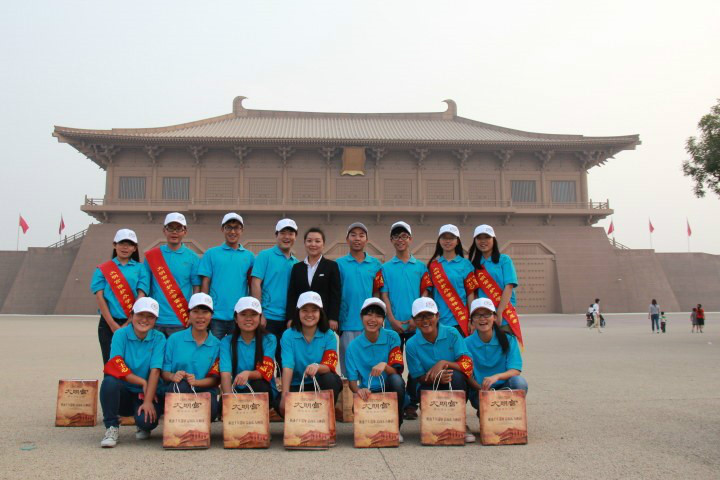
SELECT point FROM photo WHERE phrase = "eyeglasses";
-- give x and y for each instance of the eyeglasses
(402, 236)
(476, 316)
(424, 317)
(174, 229)
(232, 228)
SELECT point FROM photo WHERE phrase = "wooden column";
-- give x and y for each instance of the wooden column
(420, 155)
(197, 153)
(328, 153)
(378, 154)
(504, 156)
(545, 156)
(241, 152)
(285, 153)
(462, 155)
(153, 152)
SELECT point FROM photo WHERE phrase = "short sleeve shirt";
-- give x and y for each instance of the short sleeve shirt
(489, 359)
(402, 284)
(228, 270)
(273, 268)
(245, 353)
(502, 272)
(136, 276)
(183, 353)
(362, 355)
(183, 264)
(140, 355)
(422, 355)
(457, 270)
(298, 353)
(357, 280)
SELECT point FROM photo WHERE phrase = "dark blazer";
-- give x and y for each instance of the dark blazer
(325, 282)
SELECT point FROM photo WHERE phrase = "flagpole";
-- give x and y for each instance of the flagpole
(17, 242)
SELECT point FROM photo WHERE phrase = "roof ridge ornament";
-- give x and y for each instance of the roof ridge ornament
(238, 108)
(451, 111)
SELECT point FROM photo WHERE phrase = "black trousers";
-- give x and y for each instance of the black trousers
(277, 328)
(105, 335)
(327, 381)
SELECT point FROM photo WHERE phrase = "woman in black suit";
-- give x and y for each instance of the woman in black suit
(318, 274)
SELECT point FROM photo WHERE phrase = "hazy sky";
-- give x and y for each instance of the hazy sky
(577, 67)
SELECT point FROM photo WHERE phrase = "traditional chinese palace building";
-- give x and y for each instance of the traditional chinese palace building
(331, 169)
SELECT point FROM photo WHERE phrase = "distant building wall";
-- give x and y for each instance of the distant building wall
(10, 263)
(694, 278)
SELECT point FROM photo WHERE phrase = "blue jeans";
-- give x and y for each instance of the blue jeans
(654, 322)
(220, 328)
(117, 399)
(513, 383)
(185, 387)
(393, 384)
(412, 389)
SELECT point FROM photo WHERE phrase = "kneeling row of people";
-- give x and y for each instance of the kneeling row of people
(143, 363)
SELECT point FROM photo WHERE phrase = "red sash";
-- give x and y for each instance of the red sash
(119, 286)
(168, 284)
(452, 299)
(492, 290)
(330, 358)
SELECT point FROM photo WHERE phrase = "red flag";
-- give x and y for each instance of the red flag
(62, 225)
(611, 229)
(650, 226)
(24, 225)
(689, 231)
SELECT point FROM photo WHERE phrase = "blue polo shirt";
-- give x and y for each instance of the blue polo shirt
(183, 264)
(183, 353)
(422, 355)
(139, 355)
(457, 271)
(362, 355)
(136, 276)
(273, 268)
(402, 284)
(245, 353)
(228, 270)
(489, 359)
(356, 279)
(502, 272)
(298, 353)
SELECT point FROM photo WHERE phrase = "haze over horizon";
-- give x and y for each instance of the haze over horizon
(596, 69)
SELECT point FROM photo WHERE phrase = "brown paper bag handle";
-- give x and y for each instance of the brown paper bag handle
(176, 388)
(316, 385)
(436, 381)
(382, 382)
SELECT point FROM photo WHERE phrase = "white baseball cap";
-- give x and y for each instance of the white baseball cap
(373, 301)
(482, 303)
(359, 225)
(309, 297)
(175, 217)
(486, 229)
(200, 300)
(146, 304)
(125, 234)
(401, 225)
(424, 304)
(248, 303)
(286, 223)
(232, 216)
(449, 228)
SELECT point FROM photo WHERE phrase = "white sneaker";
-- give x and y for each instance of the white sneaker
(401, 439)
(141, 434)
(111, 437)
(469, 437)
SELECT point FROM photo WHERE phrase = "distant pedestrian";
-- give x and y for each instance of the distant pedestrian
(589, 316)
(700, 318)
(663, 321)
(654, 316)
(693, 320)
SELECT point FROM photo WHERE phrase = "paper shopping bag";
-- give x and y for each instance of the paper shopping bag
(503, 417)
(307, 419)
(246, 420)
(442, 417)
(344, 407)
(186, 423)
(76, 403)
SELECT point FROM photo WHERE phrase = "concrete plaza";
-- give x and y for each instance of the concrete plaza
(622, 404)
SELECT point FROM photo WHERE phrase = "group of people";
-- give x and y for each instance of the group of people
(226, 320)
(658, 320)
(593, 314)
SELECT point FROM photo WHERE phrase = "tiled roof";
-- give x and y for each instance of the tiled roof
(306, 127)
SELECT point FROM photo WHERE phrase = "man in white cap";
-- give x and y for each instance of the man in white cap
(358, 272)
(173, 275)
(271, 278)
(400, 286)
(225, 271)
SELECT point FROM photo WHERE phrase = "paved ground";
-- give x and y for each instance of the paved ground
(623, 404)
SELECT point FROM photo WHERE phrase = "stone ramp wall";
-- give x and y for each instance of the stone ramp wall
(10, 263)
(695, 278)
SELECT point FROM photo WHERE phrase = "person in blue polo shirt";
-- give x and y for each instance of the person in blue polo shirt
(358, 271)
(271, 278)
(496, 356)
(438, 352)
(182, 263)
(458, 271)
(225, 272)
(376, 353)
(246, 356)
(192, 356)
(485, 255)
(130, 384)
(127, 260)
(401, 285)
(309, 349)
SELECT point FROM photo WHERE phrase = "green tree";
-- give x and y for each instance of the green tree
(704, 165)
